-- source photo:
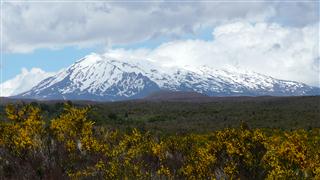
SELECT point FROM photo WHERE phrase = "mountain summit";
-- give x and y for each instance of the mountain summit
(101, 78)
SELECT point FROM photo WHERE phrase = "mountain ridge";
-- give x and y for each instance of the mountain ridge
(101, 78)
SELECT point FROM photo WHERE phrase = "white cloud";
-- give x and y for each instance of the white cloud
(31, 25)
(283, 52)
(23, 81)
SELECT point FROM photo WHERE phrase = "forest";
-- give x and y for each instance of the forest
(108, 141)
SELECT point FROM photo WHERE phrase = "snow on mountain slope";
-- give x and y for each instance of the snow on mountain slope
(99, 77)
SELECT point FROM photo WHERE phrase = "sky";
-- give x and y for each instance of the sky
(276, 38)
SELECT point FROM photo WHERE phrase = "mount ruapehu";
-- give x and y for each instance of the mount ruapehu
(101, 78)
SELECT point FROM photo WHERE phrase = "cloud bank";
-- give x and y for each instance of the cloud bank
(23, 81)
(31, 25)
(288, 53)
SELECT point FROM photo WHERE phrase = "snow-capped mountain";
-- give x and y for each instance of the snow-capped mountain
(99, 77)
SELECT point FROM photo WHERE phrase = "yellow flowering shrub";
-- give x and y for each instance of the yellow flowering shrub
(74, 130)
(291, 155)
(72, 146)
(201, 158)
(239, 152)
(23, 129)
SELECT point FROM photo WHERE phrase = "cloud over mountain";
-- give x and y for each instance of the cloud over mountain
(282, 52)
(23, 81)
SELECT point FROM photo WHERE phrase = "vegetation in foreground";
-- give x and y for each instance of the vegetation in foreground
(71, 146)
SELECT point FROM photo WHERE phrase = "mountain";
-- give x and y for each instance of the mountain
(101, 78)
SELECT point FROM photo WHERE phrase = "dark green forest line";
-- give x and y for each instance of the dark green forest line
(198, 116)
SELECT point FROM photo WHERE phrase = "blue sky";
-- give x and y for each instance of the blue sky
(46, 59)
(275, 38)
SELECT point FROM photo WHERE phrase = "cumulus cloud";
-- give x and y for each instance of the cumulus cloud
(31, 25)
(23, 81)
(289, 53)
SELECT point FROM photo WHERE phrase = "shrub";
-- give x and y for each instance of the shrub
(70, 145)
